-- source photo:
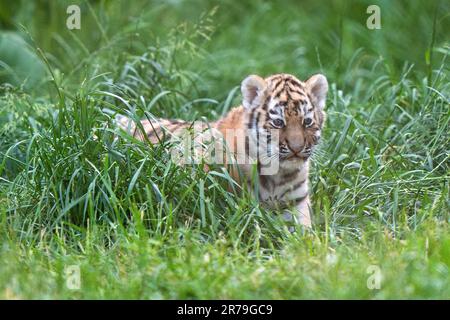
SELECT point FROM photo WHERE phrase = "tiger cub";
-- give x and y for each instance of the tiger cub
(280, 121)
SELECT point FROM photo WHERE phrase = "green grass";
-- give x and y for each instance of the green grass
(76, 191)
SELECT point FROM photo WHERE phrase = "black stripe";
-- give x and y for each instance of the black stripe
(274, 111)
(288, 92)
(247, 146)
(311, 100)
(266, 103)
(176, 121)
(250, 121)
(154, 132)
(174, 126)
(278, 92)
(293, 188)
(264, 182)
(300, 93)
(294, 88)
(298, 184)
(268, 140)
(275, 85)
(257, 119)
(300, 199)
(295, 82)
(257, 135)
(278, 88)
(290, 176)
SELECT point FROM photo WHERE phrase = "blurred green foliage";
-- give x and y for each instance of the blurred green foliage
(265, 37)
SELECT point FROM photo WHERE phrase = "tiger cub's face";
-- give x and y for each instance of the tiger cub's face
(291, 107)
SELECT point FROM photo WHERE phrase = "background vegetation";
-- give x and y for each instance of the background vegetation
(139, 226)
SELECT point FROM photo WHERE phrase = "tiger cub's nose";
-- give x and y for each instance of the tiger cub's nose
(295, 147)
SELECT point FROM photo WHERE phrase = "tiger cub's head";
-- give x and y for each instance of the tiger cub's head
(292, 108)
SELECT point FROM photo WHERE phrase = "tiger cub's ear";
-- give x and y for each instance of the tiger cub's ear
(253, 88)
(318, 88)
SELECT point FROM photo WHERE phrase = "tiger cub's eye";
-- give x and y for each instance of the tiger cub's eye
(307, 122)
(278, 123)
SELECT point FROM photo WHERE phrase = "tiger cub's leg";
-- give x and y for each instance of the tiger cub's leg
(302, 212)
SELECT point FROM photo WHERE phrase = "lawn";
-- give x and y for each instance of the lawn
(88, 212)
